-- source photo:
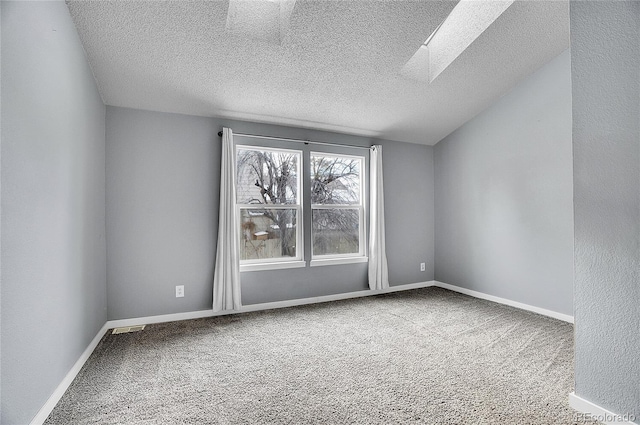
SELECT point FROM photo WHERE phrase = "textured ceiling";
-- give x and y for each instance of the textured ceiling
(336, 67)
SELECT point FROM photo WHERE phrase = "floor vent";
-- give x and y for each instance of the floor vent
(127, 329)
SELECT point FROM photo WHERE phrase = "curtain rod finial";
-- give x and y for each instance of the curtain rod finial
(219, 133)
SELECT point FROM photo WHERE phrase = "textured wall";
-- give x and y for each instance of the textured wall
(503, 202)
(162, 208)
(53, 188)
(606, 144)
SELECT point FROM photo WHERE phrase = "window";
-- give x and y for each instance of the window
(275, 197)
(268, 201)
(337, 209)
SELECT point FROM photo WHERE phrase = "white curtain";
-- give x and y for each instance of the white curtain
(226, 278)
(378, 271)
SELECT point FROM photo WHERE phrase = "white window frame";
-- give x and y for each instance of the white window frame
(278, 262)
(356, 257)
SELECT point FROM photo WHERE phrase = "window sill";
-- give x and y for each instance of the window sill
(272, 266)
(338, 261)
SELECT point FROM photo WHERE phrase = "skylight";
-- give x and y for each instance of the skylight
(466, 22)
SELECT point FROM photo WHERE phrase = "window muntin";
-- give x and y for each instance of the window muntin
(337, 216)
(268, 188)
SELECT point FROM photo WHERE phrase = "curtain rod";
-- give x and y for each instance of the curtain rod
(306, 142)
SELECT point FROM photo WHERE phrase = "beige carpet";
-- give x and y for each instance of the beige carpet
(426, 356)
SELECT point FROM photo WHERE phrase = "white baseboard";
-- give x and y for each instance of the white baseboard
(263, 306)
(596, 412)
(45, 410)
(476, 294)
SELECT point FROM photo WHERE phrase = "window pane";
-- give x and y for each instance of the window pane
(335, 180)
(267, 177)
(267, 233)
(335, 231)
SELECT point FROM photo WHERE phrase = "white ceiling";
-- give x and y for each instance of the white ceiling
(336, 68)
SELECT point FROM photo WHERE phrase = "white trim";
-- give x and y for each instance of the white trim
(360, 206)
(298, 207)
(335, 206)
(340, 155)
(47, 408)
(276, 265)
(267, 148)
(267, 207)
(596, 412)
(44, 412)
(337, 260)
(522, 306)
(263, 306)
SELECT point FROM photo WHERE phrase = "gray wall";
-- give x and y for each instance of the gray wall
(503, 195)
(162, 186)
(606, 145)
(53, 188)
(162, 208)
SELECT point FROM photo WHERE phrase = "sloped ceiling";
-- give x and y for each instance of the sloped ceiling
(337, 66)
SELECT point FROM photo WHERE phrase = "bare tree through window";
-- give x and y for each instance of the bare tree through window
(268, 179)
(336, 203)
(268, 194)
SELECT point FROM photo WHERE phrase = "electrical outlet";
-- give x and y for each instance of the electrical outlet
(423, 267)
(179, 291)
